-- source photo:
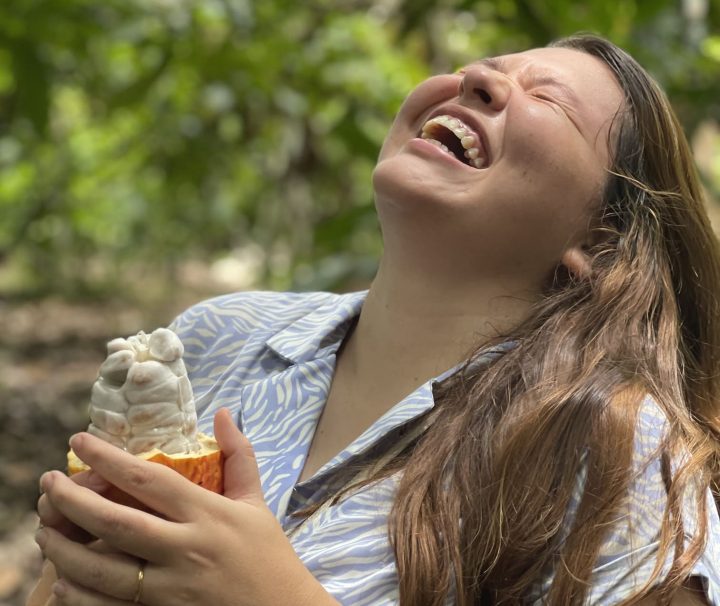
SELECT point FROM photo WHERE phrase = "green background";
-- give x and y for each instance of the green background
(157, 142)
(154, 152)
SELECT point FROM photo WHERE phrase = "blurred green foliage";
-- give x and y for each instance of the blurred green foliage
(146, 132)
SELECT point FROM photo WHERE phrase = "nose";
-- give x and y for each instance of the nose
(485, 85)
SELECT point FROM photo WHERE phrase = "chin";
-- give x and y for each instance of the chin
(404, 182)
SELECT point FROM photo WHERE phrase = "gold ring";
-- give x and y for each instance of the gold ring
(140, 579)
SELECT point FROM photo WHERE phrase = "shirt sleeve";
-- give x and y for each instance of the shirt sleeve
(629, 552)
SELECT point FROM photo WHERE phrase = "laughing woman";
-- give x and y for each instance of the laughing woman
(523, 408)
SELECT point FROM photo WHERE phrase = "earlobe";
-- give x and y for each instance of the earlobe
(577, 262)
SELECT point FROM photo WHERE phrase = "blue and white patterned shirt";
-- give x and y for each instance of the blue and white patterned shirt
(270, 358)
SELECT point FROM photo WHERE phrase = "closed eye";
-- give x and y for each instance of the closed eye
(559, 103)
(553, 92)
(544, 97)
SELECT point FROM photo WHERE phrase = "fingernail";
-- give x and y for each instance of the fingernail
(59, 588)
(41, 538)
(75, 441)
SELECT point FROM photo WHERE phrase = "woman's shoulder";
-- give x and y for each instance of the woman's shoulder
(651, 428)
(221, 330)
(628, 553)
(247, 311)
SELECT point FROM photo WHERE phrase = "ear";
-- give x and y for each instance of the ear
(577, 262)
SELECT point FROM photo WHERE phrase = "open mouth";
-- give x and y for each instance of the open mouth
(456, 138)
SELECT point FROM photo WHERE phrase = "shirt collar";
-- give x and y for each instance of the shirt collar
(320, 332)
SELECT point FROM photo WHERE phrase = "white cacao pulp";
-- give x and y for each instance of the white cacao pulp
(142, 398)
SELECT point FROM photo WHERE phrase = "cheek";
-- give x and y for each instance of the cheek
(555, 161)
(536, 139)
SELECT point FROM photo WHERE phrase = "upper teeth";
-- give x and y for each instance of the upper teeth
(468, 138)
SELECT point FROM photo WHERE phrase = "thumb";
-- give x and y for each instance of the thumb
(240, 471)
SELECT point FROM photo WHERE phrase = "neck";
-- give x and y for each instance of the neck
(413, 327)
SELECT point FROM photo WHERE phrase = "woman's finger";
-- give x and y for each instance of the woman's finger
(70, 594)
(112, 574)
(135, 532)
(49, 516)
(155, 485)
(241, 475)
(41, 594)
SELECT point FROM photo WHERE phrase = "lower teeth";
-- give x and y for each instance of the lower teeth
(475, 162)
(442, 146)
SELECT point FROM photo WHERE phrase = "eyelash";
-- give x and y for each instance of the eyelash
(544, 97)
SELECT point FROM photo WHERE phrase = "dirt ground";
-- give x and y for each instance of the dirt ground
(50, 352)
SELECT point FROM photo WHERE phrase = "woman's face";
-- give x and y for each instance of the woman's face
(502, 162)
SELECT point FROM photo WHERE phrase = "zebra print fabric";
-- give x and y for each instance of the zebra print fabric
(269, 358)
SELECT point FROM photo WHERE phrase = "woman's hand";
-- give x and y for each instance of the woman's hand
(51, 517)
(42, 595)
(208, 548)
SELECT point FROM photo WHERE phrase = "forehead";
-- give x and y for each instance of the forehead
(597, 91)
(587, 72)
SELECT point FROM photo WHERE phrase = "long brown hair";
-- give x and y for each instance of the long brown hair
(483, 496)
